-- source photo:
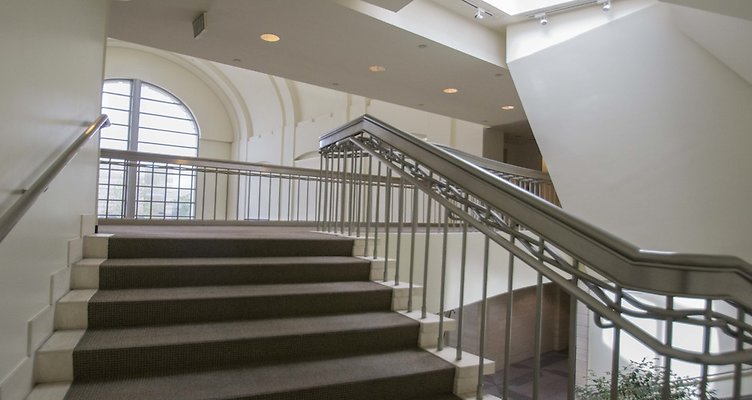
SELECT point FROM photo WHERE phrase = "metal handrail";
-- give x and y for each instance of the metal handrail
(207, 162)
(10, 218)
(497, 166)
(722, 277)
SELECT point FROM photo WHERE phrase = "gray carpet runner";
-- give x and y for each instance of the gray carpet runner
(248, 318)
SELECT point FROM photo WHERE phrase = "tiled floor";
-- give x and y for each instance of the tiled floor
(553, 380)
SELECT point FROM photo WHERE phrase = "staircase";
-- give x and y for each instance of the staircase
(292, 316)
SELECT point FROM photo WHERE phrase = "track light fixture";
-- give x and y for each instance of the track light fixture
(542, 18)
(606, 4)
(479, 13)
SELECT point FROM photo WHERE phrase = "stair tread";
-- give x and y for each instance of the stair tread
(236, 291)
(267, 380)
(229, 261)
(149, 336)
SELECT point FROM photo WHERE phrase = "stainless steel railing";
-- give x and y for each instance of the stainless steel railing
(536, 182)
(29, 195)
(651, 298)
(145, 186)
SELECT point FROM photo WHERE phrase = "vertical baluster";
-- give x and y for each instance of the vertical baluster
(376, 220)
(615, 350)
(289, 197)
(216, 184)
(669, 335)
(237, 196)
(387, 220)
(427, 253)
(443, 279)
(343, 194)
(351, 196)
(336, 188)
(538, 328)
(483, 318)
(400, 221)
(509, 314)
(330, 192)
(572, 361)
(319, 205)
(706, 349)
(463, 263)
(258, 203)
(203, 190)
(322, 185)
(369, 198)
(360, 192)
(297, 196)
(279, 197)
(739, 347)
(413, 229)
(247, 208)
(269, 199)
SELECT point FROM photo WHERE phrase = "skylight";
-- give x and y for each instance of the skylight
(516, 7)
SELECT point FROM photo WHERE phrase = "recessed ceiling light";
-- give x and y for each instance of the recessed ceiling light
(335, 83)
(507, 108)
(377, 68)
(236, 60)
(269, 37)
(422, 46)
(450, 90)
(498, 74)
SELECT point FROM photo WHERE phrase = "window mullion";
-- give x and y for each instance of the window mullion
(132, 174)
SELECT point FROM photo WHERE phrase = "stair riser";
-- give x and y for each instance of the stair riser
(404, 387)
(399, 388)
(176, 276)
(120, 314)
(119, 363)
(197, 248)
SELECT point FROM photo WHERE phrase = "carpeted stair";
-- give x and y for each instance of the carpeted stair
(248, 318)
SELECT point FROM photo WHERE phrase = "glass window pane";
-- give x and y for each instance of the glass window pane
(160, 108)
(160, 149)
(116, 101)
(113, 144)
(167, 138)
(117, 86)
(152, 92)
(117, 117)
(166, 124)
(118, 132)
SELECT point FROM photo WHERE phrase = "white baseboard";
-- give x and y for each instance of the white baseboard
(18, 384)
(39, 329)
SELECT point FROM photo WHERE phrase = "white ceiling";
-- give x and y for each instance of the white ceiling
(328, 42)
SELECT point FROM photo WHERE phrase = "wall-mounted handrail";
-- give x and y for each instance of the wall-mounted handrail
(10, 218)
(723, 277)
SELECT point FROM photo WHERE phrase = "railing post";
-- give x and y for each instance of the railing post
(376, 220)
(443, 279)
(483, 318)
(423, 308)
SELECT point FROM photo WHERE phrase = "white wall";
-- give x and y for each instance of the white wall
(644, 131)
(51, 76)
(644, 123)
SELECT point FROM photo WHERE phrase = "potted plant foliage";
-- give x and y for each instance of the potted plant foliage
(642, 380)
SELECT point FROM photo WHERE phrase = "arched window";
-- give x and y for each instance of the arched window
(148, 119)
